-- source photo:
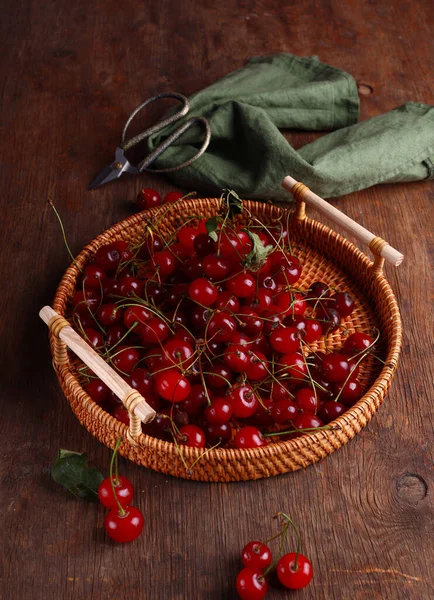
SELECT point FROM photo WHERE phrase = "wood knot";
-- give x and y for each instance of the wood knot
(411, 487)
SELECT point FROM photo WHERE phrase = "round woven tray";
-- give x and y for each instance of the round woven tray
(325, 256)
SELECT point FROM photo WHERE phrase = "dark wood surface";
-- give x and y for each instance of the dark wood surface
(71, 73)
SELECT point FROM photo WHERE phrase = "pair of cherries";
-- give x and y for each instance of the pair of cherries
(124, 522)
(294, 570)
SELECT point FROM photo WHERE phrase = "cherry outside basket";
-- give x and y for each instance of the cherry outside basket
(324, 255)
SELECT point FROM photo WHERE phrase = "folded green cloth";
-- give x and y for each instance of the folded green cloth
(247, 108)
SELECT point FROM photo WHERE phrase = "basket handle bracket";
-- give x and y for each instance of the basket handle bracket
(379, 247)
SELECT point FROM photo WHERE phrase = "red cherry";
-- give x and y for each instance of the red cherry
(219, 411)
(172, 197)
(329, 318)
(125, 358)
(251, 323)
(109, 314)
(343, 303)
(203, 244)
(164, 263)
(97, 390)
(280, 391)
(294, 364)
(172, 385)
(256, 555)
(357, 342)
(249, 437)
(121, 414)
(221, 327)
(192, 435)
(203, 292)
(263, 300)
(335, 367)
(218, 376)
(193, 267)
(94, 337)
(93, 277)
(285, 339)
(241, 285)
(318, 290)
(218, 433)
(291, 303)
(284, 411)
(306, 400)
(331, 410)
(289, 272)
(108, 257)
(227, 302)
(86, 301)
(244, 401)
(257, 369)
(136, 314)
(186, 236)
(349, 392)
(216, 267)
(251, 584)
(148, 198)
(126, 526)
(177, 353)
(307, 421)
(123, 488)
(236, 357)
(294, 575)
(263, 416)
(114, 334)
(197, 397)
(154, 331)
(229, 243)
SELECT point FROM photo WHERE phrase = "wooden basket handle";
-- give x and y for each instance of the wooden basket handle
(138, 409)
(379, 247)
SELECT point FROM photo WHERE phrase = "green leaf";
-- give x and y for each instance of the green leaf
(211, 227)
(234, 204)
(258, 254)
(71, 471)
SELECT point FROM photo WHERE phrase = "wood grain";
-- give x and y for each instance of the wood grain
(71, 73)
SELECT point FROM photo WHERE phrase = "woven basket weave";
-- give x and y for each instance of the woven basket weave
(325, 256)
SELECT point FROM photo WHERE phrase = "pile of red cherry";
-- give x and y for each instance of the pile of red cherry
(294, 570)
(210, 327)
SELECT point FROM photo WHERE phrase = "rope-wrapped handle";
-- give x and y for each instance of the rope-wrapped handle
(138, 409)
(379, 247)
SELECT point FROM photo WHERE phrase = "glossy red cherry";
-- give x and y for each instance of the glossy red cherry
(86, 302)
(192, 435)
(229, 243)
(289, 271)
(172, 385)
(257, 369)
(126, 526)
(307, 421)
(343, 303)
(221, 327)
(294, 365)
(114, 334)
(125, 358)
(306, 400)
(251, 584)
(249, 437)
(331, 410)
(335, 367)
(241, 285)
(148, 198)
(109, 314)
(218, 376)
(203, 292)
(93, 337)
(236, 357)
(164, 263)
(349, 392)
(251, 324)
(154, 331)
(285, 339)
(172, 197)
(329, 318)
(194, 402)
(294, 571)
(219, 411)
(256, 555)
(357, 342)
(284, 411)
(227, 302)
(97, 390)
(244, 401)
(93, 277)
(136, 314)
(218, 433)
(318, 290)
(123, 488)
(263, 416)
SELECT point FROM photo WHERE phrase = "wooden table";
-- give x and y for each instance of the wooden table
(72, 72)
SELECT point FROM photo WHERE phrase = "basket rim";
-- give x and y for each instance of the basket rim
(356, 417)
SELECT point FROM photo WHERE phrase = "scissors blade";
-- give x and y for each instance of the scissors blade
(113, 171)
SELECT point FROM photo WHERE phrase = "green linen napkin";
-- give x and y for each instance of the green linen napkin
(248, 153)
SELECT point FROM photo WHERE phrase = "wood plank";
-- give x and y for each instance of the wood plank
(72, 72)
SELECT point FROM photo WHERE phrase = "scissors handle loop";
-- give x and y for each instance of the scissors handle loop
(144, 165)
(126, 145)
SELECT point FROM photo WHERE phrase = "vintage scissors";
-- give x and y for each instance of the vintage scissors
(121, 163)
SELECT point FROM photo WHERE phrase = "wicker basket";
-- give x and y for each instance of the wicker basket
(324, 255)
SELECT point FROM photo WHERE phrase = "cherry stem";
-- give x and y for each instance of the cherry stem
(293, 525)
(122, 512)
(305, 430)
(50, 202)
